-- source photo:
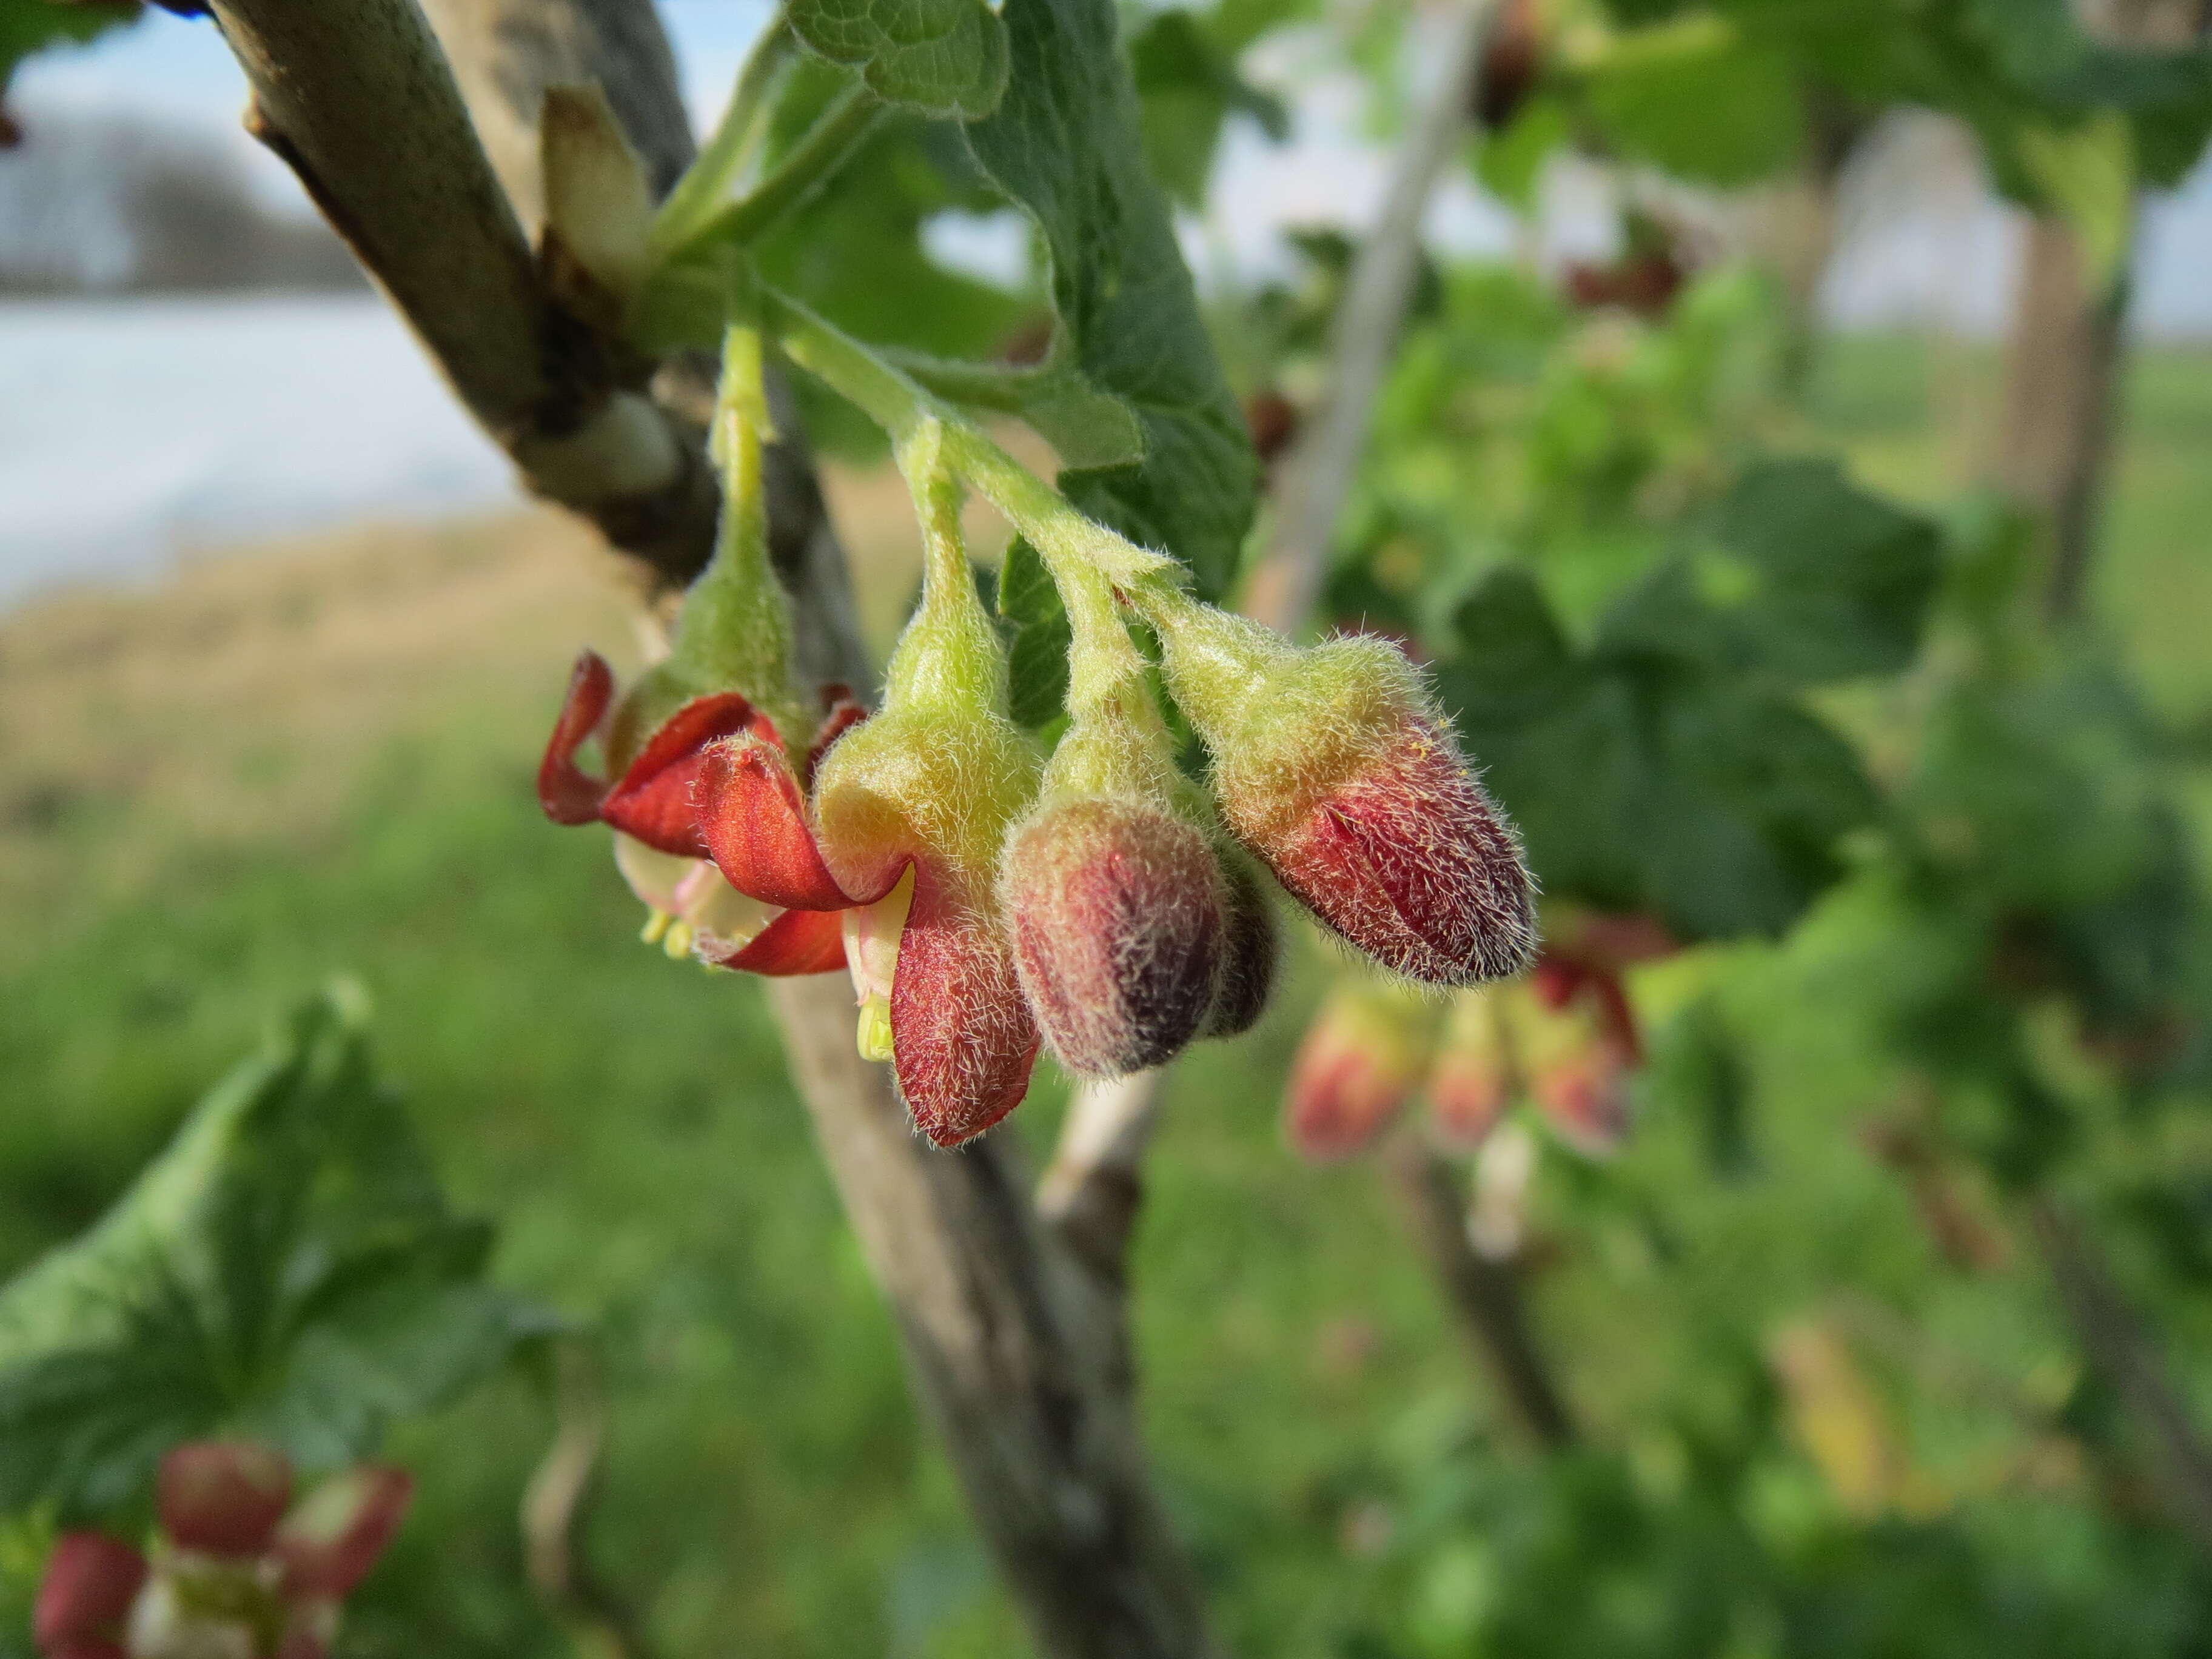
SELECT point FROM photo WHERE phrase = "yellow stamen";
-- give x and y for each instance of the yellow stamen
(656, 924)
(677, 942)
(875, 1033)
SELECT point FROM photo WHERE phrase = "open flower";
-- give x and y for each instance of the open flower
(1334, 766)
(649, 800)
(899, 843)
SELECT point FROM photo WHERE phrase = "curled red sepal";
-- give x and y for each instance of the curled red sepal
(963, 1039)
(797, 942)
(334, 1535)
(752, 821)
(654, 802)
(84, 1599)
(569, 794)
(1409, 861)
(845, 711)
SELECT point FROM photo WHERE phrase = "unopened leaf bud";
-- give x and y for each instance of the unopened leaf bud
(222, 1496)
(1360, 1061)
(1334, 766)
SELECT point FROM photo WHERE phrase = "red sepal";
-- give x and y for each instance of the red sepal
(569, 795)
(797, 942)
(753, 821)
(654, 802)
(335, 1535)
(962, 1037)
(222, 1496)
(845, 712)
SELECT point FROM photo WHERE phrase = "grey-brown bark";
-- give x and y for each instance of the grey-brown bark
(1016, 1350)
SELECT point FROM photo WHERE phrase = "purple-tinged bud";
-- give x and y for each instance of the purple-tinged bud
(84, 1599)
(1117, 910)
(1473, 1081)
(1334, 766)
(334, 1536)
(222, 1496)
(1361, 1059)
(1248, 953)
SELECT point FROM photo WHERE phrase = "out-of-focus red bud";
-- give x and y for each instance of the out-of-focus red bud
(1578, 1073)
(335, 1535)
(84, 1599)
(1474, 1080)
(222, 1496)
(1248, 956)
(1361, 1058)
(1117, 909)
(1512, 63)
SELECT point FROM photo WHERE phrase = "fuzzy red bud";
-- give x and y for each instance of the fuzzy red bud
(1116, 907)
(1473, 1082)
(1248, 955)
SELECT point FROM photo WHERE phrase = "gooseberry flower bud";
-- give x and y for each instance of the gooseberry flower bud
(222, 1496)
(1117, 909)
(1474, 1082)
(84, 1600)
(1361, 1059)
(1248, 951)
(1334, 766)
(334, 1535)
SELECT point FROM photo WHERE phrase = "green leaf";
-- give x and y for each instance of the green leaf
(1040, 638)
(1065, 145)
(29, 25)
(287, 1268)
(1841, 581)
(1699, 100)
(945, 58)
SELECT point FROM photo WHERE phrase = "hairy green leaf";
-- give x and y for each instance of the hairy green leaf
(1065, 143)
(288, 1268)
(945, 58)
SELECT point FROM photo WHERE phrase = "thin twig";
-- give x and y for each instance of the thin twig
(1318, 472)
(555, 1504)
(1485, 1294)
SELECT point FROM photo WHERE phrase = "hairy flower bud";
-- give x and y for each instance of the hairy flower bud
(1117, 909)
(222, 1496)
(1247, 952)
(1334, 766)
(1473, 1081)
(1361, 1058)
(84, 1599)
(335, 1535)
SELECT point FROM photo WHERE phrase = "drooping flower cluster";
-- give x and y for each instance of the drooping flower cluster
(238, 1570)
(1564, 1036)
(987, 901)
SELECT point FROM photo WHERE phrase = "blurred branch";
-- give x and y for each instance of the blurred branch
(1015, 1349)
(554, 1505)
(2113, 1337)
(1318, 471)
(1486, 1294)
(1091, 1192)
(359, 101)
